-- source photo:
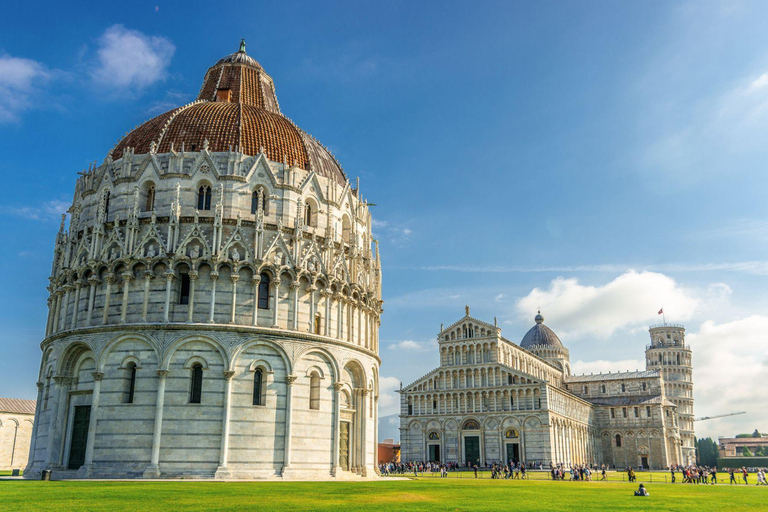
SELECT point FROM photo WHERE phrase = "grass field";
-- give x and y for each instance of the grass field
(457, 494)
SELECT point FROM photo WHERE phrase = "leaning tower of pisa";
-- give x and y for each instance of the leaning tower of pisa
(669, 354)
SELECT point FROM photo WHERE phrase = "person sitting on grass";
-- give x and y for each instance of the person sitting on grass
(641, 491)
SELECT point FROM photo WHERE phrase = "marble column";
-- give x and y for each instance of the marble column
(148, 275)
(336, 427)
(127, 279)
(153, 470)
(169, 277)
(276, 302)
(87, 468)
(110, 279)
(93, 281)
(222, 471)
(193, 275)
(295, 302)
(38, 413)
(55, 431)
(76, 308)
(256, 281)
(234, 278)
(289, 380)
(214, 279)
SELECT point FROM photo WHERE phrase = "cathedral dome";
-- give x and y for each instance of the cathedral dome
(236, 109)
(540, 335)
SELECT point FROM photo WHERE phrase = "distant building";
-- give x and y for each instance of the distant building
(389, 451)
(492, 400)
(16, 421)
(736, 446)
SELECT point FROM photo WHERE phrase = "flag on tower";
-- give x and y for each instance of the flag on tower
(661, 311)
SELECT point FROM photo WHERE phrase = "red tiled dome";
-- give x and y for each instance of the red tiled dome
(236, 107)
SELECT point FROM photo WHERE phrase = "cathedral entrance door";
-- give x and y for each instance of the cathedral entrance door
(434, 453)
(644, 462)
(472, 449)
(344, 445)
(513, 453)
(79, 436)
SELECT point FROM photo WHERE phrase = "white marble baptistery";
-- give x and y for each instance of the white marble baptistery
(214, 303)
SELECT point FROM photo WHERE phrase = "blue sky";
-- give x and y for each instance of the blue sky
(598, 159)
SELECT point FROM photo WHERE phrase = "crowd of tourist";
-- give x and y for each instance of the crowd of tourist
(691, 474)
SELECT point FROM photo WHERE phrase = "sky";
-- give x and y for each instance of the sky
(597, 159)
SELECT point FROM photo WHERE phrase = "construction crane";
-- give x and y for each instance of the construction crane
(719, 416)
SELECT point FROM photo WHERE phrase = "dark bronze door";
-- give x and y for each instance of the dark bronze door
(513, 453)
(344, 445)
(434, 453)
(79, 436)
(472, 449)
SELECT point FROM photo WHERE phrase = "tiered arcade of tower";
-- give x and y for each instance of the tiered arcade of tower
(669, 354)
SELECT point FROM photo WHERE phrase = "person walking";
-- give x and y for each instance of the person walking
(744, 474)
(672, 471)
(732, 474)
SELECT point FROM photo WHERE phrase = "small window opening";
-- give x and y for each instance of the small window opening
(184, 288)
(196, 388)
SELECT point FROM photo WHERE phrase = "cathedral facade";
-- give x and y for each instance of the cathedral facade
(495, 401)
(214, 302)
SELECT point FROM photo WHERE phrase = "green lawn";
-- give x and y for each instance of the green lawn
(465, 494)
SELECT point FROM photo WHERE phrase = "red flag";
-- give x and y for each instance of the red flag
(661, 311)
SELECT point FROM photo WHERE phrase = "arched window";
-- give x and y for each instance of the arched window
(264, 291)
(307, 214)
(106, 204)
(204, 197)
(618, 440)
(260, 201)
(196, 389)
(258, 387)
(130, 384)
(184, 288)
(150, 205)
(678, 358)
(318, 322)
(314, 391)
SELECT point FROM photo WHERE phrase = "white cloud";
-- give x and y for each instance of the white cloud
(730, 369)
(413, 346)
(760, 82)
(45, 211)
(629, 301)
(393, 233)
(131, 60)
(20, 81)
(389, 400)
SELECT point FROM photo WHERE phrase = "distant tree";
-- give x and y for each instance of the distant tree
(760, 452)
(742, 436)
(746, 452)
(755, 433)
(707, 451)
